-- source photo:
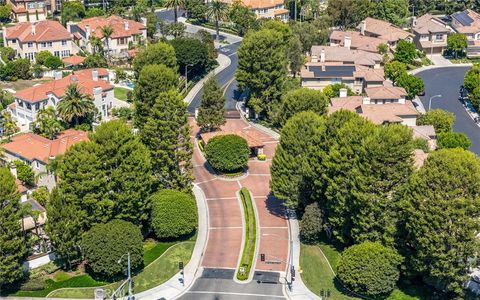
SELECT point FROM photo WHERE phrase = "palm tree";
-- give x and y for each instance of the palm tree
(217, 10)
(47, 123)
(175, 4)
(107, 32)
(96, 44)
(74, 105)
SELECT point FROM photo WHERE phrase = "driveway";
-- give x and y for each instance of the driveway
(446, 82)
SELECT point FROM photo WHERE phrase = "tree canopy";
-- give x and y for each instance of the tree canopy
(440, 119)
(211, 113)
(227, 153)
(159, 53)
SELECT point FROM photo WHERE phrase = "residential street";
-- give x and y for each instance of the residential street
(446, 82)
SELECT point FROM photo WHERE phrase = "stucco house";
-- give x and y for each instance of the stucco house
(344, 55)
(28, 10)
(93, 82)
(125, 32)
(27, 39)
(467, 22)
(430, 34)
(266, 9)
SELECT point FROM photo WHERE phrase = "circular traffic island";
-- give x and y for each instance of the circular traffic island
(228, 154)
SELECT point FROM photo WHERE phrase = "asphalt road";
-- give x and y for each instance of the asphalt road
(446, 82)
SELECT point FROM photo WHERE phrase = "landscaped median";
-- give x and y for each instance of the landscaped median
(248, 254)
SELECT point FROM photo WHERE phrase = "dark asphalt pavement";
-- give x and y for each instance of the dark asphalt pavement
(446, 82)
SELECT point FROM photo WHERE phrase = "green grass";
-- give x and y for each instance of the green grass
(317, 275)
(152, 252)
(250, 234)
(120, 93)
(158, 272)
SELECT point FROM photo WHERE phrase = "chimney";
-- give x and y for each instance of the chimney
(97, 90)
(126, 24)
(13, 170)
(363, 26)
(322, 56)
(69, 26)
(343, 93)
(414, 21)
(347, 42)
(57, 75)
(143, 21)
(34, 29)
(366, 100)
(87, 32)
(314, 58)
(95, 75)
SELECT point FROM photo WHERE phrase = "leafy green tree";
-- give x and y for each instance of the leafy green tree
(218, 11)
(94, 12)
(262, 68)
(196, 10)
(19, 68)
(174, 214)
(72, 11)
(295, 55)
(166, 133)
(159, 53)
(393, 11)
(341, 12)
(405, 52)
(227, 153)
(152, 80)
(383, 49)
(475, 98)
(211, 113)
(41, 195)
(24, 173)
(8, 53)
(333, 90)
(311, 225)
(440, 119)
(472, 78)
(75, 105)
(5, 13)
(151, 25)
(107, 32)
(105, 244)
(395, 69)
(312, 33)
(413, 85)
(294, 164)
(53, 62)
(370, 269)
(441, 220)
(42, 56)
(47, 123)
(12, 243)
(96, 60)
(192, 55)
(8, 124)
(243, 18)
(453, 140)
(298, 100)
(207, 39)
(457, 42)
(280, 27)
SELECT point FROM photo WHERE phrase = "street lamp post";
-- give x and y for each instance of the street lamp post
(186, 78)
(129, 275)
(430, 101)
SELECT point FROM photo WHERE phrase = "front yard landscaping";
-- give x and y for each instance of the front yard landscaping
(121, 93)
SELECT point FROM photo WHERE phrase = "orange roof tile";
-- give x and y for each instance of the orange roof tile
(83, 78)
(116, 22)
(46, 30)
(73, 60)
(251, 136)
(35, 147)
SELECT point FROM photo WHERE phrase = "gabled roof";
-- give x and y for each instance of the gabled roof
(42, 31)
(73, 60)
(83, 78)
(342, 54)
(384, 30)
(359, 41)
(385, 92)
(35, 147)
(256, 4)
(341, 70)
(117, 23)
(468, 21)
(428, 24)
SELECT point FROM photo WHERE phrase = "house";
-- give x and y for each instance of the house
(318, 75)
(467, 22)
(266, 9)
(354, 40)
(93, 82)
(37, 151)
(27, 39)
(28, 10)
(430, 34)
(125, 33)
(381, 105)
(383, 30)
(344, 55)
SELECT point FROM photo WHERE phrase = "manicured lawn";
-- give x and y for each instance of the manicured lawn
(153, 275)
(317, 275)
(120, 93)
(250, 234)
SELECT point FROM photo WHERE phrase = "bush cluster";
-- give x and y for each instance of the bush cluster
(227, 153)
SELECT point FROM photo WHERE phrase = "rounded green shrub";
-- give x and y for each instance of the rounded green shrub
(369, 269)
(311, 225)
(227, 153)
(174, 214)
(104, 244)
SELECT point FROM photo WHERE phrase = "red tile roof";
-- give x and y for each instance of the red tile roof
(35, 147)
(45, 31)
(73, 60)
(83, 78)
(116, 22)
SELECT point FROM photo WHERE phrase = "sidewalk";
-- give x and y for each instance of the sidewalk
(419, 70)
(223, 63)
(173, 288)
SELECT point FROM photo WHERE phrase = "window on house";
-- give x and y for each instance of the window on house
(64, 43)
(30, 44)
(122, 41)
(57, 53)
(28, 105)
(14, 41)
(439, 36)
(43, 44)
(37, 106)
(49, 44)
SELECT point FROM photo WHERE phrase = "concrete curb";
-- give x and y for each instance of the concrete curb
(223, 62)
(419, 70)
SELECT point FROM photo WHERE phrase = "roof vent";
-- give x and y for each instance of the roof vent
(74, 78)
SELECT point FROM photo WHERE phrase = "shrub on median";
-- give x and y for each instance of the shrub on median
(227, 153)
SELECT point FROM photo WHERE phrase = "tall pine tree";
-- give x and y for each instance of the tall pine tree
(211, 113)
(166, 133)
(12, 243)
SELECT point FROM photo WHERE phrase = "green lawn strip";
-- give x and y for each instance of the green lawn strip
(250, 235)
(153, 253)
(317, 275)
(120, 93)
(158, 272)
